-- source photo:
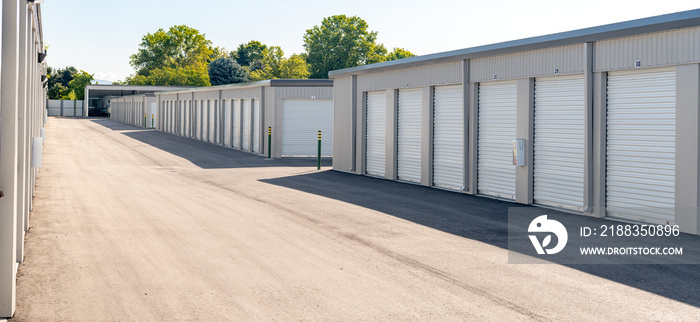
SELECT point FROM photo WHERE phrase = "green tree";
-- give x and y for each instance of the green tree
(78, 83)
(70, 96)
(294, 67)
(275, 66)
(399, 53)
(225, 70)
(341, 42)
(168, 76)
(180, 47)
(57, 91)
(250, 54)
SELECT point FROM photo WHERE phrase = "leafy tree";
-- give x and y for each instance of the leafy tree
(225, 70)
(341, 42)
(179, 47)
(78, 83)
(250, 54)
(294, 67)
(275, 66)
(70, 96)
(60, 76)
(57, 91)
(168, 76)
(399, 53)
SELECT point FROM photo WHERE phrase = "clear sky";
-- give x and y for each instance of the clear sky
(99, 36)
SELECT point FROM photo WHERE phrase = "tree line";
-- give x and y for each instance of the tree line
(68, 83)
(183, 56)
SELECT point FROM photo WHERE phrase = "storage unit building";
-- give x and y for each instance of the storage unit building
(607, 117)
(240, 116)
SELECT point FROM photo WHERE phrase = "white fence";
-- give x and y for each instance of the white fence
(65, 108)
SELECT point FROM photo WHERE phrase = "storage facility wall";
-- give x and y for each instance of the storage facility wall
(137, 110)
(22, 116)
(606, 134)
(241, 118)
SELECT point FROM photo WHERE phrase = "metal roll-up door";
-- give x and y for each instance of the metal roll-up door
(641, 145)
(301, 121)
(203, 120)
(236, 124)
(211, 121)
(559, 141)
(409, 138)
(246, 125)
(227, 123)
(375, 127)
(256, 126)
(497, 124)
(448, 137)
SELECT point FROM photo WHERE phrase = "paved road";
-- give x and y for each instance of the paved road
(132, 224)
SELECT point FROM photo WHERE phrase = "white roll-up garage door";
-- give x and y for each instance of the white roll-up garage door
(211, 121)
(409, 139)
(236, 124)
(246, 125)
(301, 121)
(227, 123)
(641, 145)
(497, 124)
(559, 141)
(448, 137)
(375, 145)
(256, 126)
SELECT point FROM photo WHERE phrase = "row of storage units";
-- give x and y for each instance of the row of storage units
(138, 110)
(65, 108)
(600, 132)
(248, 117)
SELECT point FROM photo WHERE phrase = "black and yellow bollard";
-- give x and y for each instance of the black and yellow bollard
(318, 167)
(145, 120)
(269, 142)
(153, 122)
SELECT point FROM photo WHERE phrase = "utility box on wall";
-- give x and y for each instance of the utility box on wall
(519, 152)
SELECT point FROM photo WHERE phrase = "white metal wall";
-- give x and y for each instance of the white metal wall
(641, 145)
(448, 137)
(559, 141)
(301, 121)
(497, 129)
(375, 145)
(409, 138)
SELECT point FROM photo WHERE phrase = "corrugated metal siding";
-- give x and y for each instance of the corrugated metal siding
(243, 93)
(434, 74)
(497, 129)
(206, 95)
(641, 145)
(679, 46)
(541, 62)
(409, 136)
(375, 144)
(448, 137)
(559, 141)
(301, 121)
(304, 92)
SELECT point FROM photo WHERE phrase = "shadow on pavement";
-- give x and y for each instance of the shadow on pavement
(202, 154)
(484, 220)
